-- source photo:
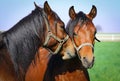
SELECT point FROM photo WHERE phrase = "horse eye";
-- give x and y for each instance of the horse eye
(62, 26)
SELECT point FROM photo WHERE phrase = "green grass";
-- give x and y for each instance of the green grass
(107, 62)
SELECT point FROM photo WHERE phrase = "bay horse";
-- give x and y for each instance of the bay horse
(19, 45)
(73, 68)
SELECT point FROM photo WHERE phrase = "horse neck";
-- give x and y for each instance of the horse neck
(38, 66)
(22, 42)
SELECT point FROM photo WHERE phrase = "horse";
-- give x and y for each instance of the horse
(19, 45)
(82, 32)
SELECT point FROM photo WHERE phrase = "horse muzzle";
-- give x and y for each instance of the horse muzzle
(87, 63)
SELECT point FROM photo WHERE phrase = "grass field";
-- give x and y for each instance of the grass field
(107, 62)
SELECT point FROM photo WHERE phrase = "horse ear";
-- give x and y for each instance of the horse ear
(72, 13)
(47, 8)
(93, 12)
(36, 6)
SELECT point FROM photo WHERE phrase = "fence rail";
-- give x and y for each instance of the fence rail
(108, 37)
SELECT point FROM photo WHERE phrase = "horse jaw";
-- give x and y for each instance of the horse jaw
(68, 55)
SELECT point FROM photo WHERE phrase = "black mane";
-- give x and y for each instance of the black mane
(80, 17)
(23, 39)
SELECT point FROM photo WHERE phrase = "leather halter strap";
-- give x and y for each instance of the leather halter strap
(51, 35)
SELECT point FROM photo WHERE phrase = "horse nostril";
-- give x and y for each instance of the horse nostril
(84, 58)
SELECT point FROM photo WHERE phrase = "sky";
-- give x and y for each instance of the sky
(106, 21)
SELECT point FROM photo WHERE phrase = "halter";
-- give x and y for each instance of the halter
(51, 35)
(80, 46)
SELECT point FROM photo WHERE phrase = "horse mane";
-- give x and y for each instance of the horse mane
(24, 38)
(80, 17)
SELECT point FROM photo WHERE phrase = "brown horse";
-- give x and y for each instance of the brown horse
(20, 44)
(53, 68)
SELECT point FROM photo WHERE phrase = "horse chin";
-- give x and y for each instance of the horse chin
(86, 64)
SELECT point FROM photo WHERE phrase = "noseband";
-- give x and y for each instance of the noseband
(51, 35)
(80, 46)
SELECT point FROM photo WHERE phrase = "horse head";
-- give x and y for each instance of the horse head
(56, 39)
(82, 32)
